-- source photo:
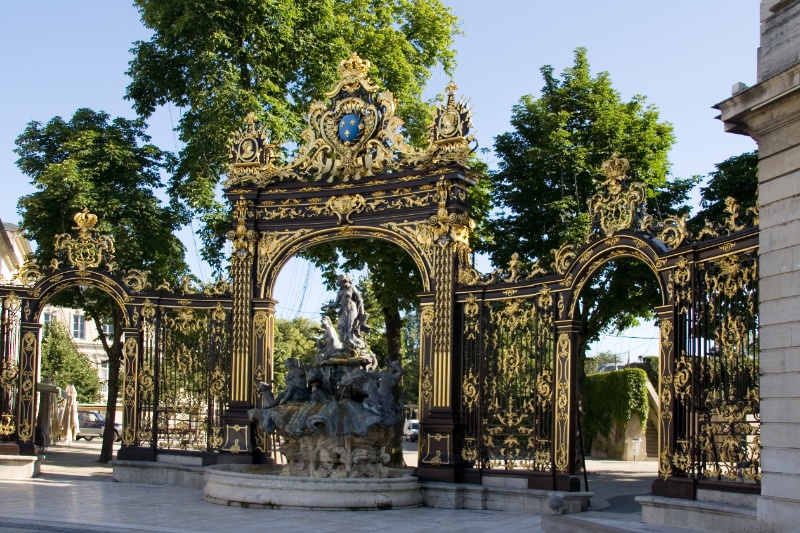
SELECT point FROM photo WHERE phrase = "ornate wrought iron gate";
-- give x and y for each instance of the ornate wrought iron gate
(183, 380)
(499, 353)
(176, 357)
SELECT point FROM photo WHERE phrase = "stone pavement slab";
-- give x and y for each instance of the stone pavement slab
(75, 493)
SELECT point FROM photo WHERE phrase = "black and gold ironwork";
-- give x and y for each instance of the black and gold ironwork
(183, 369)
(498, 361)
(716, 376)
(708, 384)
(184, 376)
(508, 384)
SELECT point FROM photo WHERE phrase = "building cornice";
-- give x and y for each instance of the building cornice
(751, 112)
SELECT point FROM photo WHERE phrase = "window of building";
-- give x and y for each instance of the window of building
(108, 329)
(78, 327)
(47, 317)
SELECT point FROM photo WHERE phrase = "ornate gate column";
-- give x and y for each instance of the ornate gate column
(236, 430)
(441, 435)
(262, 368)
(666, 413)
(28, 376)
(131, 399)
(566, 399)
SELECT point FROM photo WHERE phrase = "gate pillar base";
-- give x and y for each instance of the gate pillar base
(27, 448)
(9, 448)
(438, 460)
(238, 437)
(136, 453)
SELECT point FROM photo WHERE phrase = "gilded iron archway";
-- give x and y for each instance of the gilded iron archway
(498, 351)
(353, 177)
(86, 259)
(708, 289)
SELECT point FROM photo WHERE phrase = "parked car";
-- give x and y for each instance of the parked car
(92, 424)
(411, 430)
(610, 367)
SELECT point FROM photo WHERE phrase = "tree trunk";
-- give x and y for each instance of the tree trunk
(114, 360)
(394, 325)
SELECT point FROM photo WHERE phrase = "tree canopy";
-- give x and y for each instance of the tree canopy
(550, 166)
(293, 338)
(62, 362)
(737, 178)
(108, 167)
(220, 60)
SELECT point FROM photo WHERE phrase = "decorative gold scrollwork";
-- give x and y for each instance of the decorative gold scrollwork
(217, 383)
(344, 206)
(90, 248)
(470, 391)
(146, 383)
(683, 378)
(136, 279)
(563, 258)
(8, 378)
(426, 385)
(7, 425)
(243, 238)
(618, 207)
(29, 273)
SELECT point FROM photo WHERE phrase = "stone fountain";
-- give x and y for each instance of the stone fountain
(335, 421)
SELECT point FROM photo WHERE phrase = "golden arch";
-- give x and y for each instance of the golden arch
(597, 255)
(298, 244)
(48, 286)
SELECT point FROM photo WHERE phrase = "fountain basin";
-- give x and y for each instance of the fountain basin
(262, 486)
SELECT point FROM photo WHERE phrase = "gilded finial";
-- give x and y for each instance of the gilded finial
(615, 167)
(354, 66)
(85, 220)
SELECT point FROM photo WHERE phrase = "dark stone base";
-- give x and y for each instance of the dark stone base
(682, 488)
(234, 459)
(9, 448)
(27, 448)
(685, 488)
(535, 480)
(136, 453)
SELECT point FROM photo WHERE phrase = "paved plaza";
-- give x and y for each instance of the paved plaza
(75, 493)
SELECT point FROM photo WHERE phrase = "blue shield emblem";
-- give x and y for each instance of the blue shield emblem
(349, 128)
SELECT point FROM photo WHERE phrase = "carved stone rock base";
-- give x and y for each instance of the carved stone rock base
(323, 455)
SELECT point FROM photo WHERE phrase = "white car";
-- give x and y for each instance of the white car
(411, 430)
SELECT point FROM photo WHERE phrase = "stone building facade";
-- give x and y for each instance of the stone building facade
(769, 112)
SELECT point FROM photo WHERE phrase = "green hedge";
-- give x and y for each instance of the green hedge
(612, 397)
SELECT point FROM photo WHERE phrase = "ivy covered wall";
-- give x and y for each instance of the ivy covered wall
(609, 401)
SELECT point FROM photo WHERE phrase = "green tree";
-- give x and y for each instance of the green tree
(411, 346)
(62, 362)
(737, 178)
(550, 165)
(108, 167)
(220, 60)
(293, 338)
(593, 363)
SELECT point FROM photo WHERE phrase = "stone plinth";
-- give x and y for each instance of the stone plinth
(702, 515)
(262, 486)
(20, 466)
(500, 495)
(159, 473)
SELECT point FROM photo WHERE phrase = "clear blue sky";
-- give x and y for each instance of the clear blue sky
(684, 55)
